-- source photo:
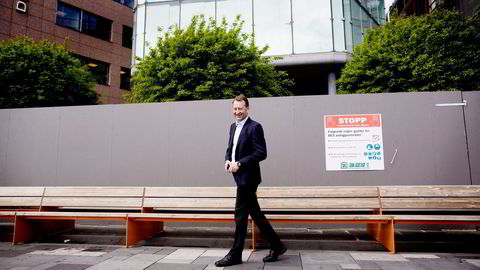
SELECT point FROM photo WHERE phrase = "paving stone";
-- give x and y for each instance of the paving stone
(151, 250)
(213, 267)
(183, 255)
(247, 266)
(111, 263)
(206, 260)
(69, 267)
(165, 251)
(271, 267)
(393, 265)
(139, 261)
(326, 257)
(474, 262)
(368, 265)
(322, 267)
(258, 255)
(216, 252)
(377, 256)
(419, 256)
(350, 266)
(174, 266)
(286, 260)
(57, 252)
(445, 265)
(82, 259)
(127, 251)
(28, 260)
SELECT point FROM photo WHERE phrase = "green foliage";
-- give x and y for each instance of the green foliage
(439, 51)
(40, 74)
(205, 61)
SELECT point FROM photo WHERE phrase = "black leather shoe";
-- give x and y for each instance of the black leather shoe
(228, 261)
(274, 253)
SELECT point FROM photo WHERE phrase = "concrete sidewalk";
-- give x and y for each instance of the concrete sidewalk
(82, 256)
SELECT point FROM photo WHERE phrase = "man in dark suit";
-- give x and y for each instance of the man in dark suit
(246, 148)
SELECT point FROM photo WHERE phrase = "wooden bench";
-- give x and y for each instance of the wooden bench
(304, 205)
(447, 204)
(145, 209)
(19, 199)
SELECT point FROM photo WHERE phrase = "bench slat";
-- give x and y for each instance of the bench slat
(21, 191)
(266, 204)
(317, 192)
(20, 201)
(94, 191)
(194, 192)
(98, 202)
(437, 217)
(431, 203)
(430, 191)
(72, 214)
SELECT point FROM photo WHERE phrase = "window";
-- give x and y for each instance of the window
(125, 75)
(83, 21)
(128, 3)
(127, 35)
(96, 26)
(100, 70)
(68, 16)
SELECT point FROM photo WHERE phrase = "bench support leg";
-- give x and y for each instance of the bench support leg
(141, 230)
(384, 233)
(28, 229)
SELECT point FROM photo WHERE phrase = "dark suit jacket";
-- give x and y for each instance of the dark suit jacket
(251, 149)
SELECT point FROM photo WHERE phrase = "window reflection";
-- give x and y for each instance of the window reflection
(338, 28)
(191, 8)
(273, 26)
(312, 28)
(160, 15)
(229, 9)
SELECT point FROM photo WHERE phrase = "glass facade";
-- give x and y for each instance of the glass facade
(286, 26)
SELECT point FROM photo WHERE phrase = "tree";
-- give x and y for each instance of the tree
(40, 74)
(205, 61)
(438, 51)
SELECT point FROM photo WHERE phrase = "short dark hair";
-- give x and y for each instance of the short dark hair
(241, 98)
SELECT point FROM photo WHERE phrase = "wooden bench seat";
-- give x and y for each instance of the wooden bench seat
(42, 210)
(422, 204)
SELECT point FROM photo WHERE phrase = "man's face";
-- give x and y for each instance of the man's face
(240, 111)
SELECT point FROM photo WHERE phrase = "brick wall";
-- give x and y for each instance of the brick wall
(39, 23)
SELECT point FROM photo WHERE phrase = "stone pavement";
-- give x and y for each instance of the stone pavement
(82, 256)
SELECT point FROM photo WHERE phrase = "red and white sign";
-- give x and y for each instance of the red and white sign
(353, 142)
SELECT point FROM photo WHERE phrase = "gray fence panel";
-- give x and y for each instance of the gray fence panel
(4, 123)
(472, 114)
(32, 146)
(197, 141)
(85, 145)
(183, 143)
(429, 139)
(140, 144)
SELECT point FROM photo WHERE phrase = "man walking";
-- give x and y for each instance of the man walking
(246, 148)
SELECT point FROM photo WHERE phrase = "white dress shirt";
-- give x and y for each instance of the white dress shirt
(236, 135)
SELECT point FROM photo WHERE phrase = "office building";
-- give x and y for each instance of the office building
(314, 37)
(98, 32)
(420, 7)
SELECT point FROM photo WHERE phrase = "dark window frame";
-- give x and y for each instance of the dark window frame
(125, 76)
(104, 77)
(127, 38)
(102, 29)
(127, 3)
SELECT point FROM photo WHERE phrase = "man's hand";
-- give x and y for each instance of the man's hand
(233, 167)
(227, 165)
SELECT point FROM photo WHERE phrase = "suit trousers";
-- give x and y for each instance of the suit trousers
(247, 204)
